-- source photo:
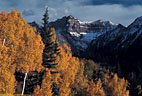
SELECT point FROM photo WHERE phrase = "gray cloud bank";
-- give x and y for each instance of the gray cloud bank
(117, 11)
(125, 3)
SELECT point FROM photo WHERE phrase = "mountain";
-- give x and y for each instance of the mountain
(76, 34)
(121, 47)
(118, 40)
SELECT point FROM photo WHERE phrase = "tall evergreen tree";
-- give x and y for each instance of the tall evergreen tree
(51, 49)
(45, 28)
(51, 46)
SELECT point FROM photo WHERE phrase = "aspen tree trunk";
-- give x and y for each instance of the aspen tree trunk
(24, 83)
(3, 42)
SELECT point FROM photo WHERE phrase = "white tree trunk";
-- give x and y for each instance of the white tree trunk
(24, 83)
(3, 42)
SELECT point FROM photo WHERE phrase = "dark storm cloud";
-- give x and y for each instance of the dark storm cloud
(125, 3)
(118, 11)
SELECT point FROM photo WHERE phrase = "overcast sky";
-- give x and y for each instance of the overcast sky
(117, 11)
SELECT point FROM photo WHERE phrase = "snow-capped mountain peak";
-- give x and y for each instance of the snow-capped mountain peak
(79, 34)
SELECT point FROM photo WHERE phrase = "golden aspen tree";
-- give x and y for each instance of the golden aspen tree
(80, 81)
(22, 40)
(116, 86)
(95, 89)
(68, 68)
(45, 89)
(7, 78)
(26, 47)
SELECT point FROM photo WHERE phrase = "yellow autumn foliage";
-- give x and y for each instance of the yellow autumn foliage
(116, 86)
(95, 89)
(45, 89)
(20, 49)
(26, 46)
(68, 68)
(7, 78)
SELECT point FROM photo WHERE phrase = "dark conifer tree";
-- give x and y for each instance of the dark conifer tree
(45, 28)
(51, 46)
(51, 49)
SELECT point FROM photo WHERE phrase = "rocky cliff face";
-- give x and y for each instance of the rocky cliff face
(76, 34)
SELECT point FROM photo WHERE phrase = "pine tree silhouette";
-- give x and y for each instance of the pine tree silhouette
(51, 49)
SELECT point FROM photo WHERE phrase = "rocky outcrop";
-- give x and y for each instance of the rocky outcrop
(76, 34)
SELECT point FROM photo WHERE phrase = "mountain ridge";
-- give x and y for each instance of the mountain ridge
(76, 34)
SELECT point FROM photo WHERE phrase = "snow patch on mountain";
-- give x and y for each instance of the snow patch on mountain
(85, 22)
(76, 34)
(88, 37)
